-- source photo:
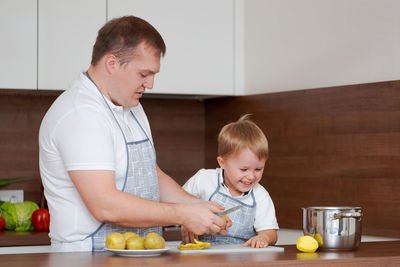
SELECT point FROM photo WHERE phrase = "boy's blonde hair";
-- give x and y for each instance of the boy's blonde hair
(242, 134)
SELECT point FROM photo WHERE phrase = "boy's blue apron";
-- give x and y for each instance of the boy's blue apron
(140, 180)
(242, 228)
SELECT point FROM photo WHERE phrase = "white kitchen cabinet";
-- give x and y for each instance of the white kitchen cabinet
(291, 45)
(67, 32)
(199, 36)
(18, 46)
(223, 47)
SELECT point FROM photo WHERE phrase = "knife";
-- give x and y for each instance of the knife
(229, 210)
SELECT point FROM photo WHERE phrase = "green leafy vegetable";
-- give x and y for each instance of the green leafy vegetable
(18, 215)
(8, 181)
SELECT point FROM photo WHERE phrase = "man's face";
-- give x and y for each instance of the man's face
(131, 79)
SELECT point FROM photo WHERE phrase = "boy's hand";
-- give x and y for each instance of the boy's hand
(263, 239)
(257, 241)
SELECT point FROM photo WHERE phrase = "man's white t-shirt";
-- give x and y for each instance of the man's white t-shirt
(204, 183)
(79, 132)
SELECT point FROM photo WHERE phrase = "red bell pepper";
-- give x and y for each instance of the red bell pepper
(41, 219)
(2, 223)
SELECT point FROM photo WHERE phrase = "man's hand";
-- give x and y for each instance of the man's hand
(201, 218)
(228, 223)
(187, 236)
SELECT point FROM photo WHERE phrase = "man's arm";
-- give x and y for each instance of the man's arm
(171, 191)
(107, 204)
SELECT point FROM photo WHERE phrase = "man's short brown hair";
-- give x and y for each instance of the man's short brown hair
(120, 36)
(242, 134)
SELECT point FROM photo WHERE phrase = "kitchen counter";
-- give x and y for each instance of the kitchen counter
(34, 238)
(38, 242)
(369, 253)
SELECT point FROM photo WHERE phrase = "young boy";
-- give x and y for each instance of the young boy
(243, 151)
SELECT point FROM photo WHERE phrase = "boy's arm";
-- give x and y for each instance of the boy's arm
(271, 235)
(263, 239)
(265, 222)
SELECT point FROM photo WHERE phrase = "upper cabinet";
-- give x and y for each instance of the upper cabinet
(199, 36)
(214, 47)
(67, 32)
(18, 46)
(48, 43)
(290, 45)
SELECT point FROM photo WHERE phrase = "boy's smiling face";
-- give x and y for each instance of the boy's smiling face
(242, 170)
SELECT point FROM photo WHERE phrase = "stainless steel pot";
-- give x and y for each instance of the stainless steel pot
(336, 228)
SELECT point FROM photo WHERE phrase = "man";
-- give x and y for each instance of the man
(97, 160)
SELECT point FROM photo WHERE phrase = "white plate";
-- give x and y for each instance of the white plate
(137, 252)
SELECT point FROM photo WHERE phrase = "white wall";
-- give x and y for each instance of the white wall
(299, 44)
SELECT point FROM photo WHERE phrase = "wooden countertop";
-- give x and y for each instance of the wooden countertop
(12, 238)
(369, 254)
(36, 238)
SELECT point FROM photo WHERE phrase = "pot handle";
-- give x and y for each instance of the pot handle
(356, 215)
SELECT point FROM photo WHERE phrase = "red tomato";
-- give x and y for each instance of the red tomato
(2, 223)
(41, 219)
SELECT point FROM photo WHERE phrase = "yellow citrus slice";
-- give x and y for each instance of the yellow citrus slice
(196, 245)
(318, 237)
(307, 244)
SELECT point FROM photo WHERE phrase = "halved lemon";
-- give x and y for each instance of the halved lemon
(307, 244)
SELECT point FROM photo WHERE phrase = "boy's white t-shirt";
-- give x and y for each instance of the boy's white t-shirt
(204, 183)
(79, 132)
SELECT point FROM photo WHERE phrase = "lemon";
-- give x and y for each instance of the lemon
(197, 245)
(115, 241)
(189, 246)
(202, 244)
(318, 237)
(223, 218)
(154, 241)
(127, 235)
(135, 242)
(307, 244)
